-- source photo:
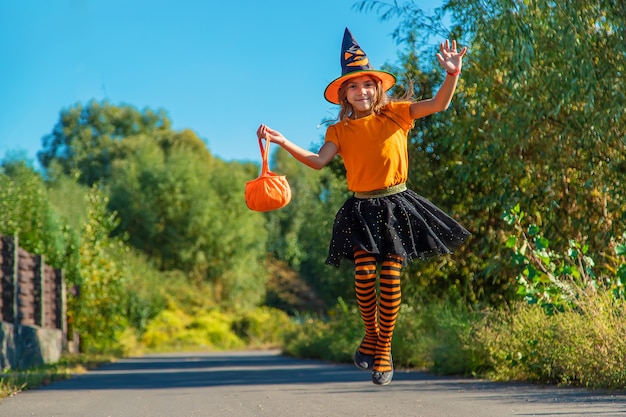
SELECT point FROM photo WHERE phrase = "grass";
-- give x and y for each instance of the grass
(582, 346)
(13, 381)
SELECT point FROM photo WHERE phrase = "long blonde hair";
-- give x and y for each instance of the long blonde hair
(379, 100)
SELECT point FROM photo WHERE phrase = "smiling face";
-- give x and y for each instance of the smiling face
(360, 93)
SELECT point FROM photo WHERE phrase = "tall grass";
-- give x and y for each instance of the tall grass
(582, 346)
(435, 337)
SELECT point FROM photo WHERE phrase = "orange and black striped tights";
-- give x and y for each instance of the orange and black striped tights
(379, 315)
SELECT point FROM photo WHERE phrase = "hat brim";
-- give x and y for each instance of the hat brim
(331, 93)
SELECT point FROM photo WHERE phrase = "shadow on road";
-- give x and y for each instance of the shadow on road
(210, 369)
(270, 368)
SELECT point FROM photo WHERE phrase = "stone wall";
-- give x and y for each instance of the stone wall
(24, 346)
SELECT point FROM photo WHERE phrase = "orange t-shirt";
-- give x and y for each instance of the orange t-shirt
(374, 148)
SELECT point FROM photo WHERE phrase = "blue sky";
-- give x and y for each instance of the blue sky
(219, 68)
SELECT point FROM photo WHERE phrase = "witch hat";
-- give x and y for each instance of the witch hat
(355, 63)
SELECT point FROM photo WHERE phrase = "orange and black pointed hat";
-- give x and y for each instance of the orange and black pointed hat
(355, 63)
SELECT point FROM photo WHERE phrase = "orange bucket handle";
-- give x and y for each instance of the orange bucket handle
(265, 150)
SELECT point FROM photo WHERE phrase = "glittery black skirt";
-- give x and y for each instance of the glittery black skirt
(404, 224)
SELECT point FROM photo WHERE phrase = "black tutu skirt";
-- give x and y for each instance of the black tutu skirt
(404, 224)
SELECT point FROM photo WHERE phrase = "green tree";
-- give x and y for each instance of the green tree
(185, 209)
(537, 119)
(238, 238)
(98, 313)
(26, 212)
(176, 202)
(85, 138)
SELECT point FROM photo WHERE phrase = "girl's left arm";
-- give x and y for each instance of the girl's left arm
(451, 61)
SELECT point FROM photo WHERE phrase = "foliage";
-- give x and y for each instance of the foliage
(437, 336)
(176, 329)
(173, 329)
(48, 219)
(142, 283)
(286, 289)
(262, 327)
(175, 202)
(181, 292)
(531, 122)
(159, 190)
(26, 212)
(550, 279)
(185, 210)
(583, 347)
(98, 311)
(145, 287)
(334, 338)
(85, 139)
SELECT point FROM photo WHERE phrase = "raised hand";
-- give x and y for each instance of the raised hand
(449, 58)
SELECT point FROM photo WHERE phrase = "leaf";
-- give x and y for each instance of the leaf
(511, 242)
(545, 259)
(620, 249)
(533, 230)
(532, 272)
(519, 259)
(542, 243)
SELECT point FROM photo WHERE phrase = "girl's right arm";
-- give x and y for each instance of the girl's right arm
(313, 160)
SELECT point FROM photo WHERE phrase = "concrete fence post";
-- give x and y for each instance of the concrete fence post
(16, 286)
(16, 297)
(42, 291)
(62, 309)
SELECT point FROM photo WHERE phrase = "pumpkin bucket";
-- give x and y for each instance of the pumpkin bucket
(269, 191)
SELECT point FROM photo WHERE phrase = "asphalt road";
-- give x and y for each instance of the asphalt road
(262, 383)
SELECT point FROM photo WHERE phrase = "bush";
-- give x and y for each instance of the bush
(583, 347)
(175, 329)
(333, 338)
(164, 328)
(436, 337)
(262, 327)
(211, 329)
(554, 280)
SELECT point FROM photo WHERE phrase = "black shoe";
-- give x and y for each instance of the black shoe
(362, 361)
(383, 378)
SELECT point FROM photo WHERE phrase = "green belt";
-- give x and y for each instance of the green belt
(385, 192)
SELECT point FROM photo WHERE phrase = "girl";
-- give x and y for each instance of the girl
(384, 223)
